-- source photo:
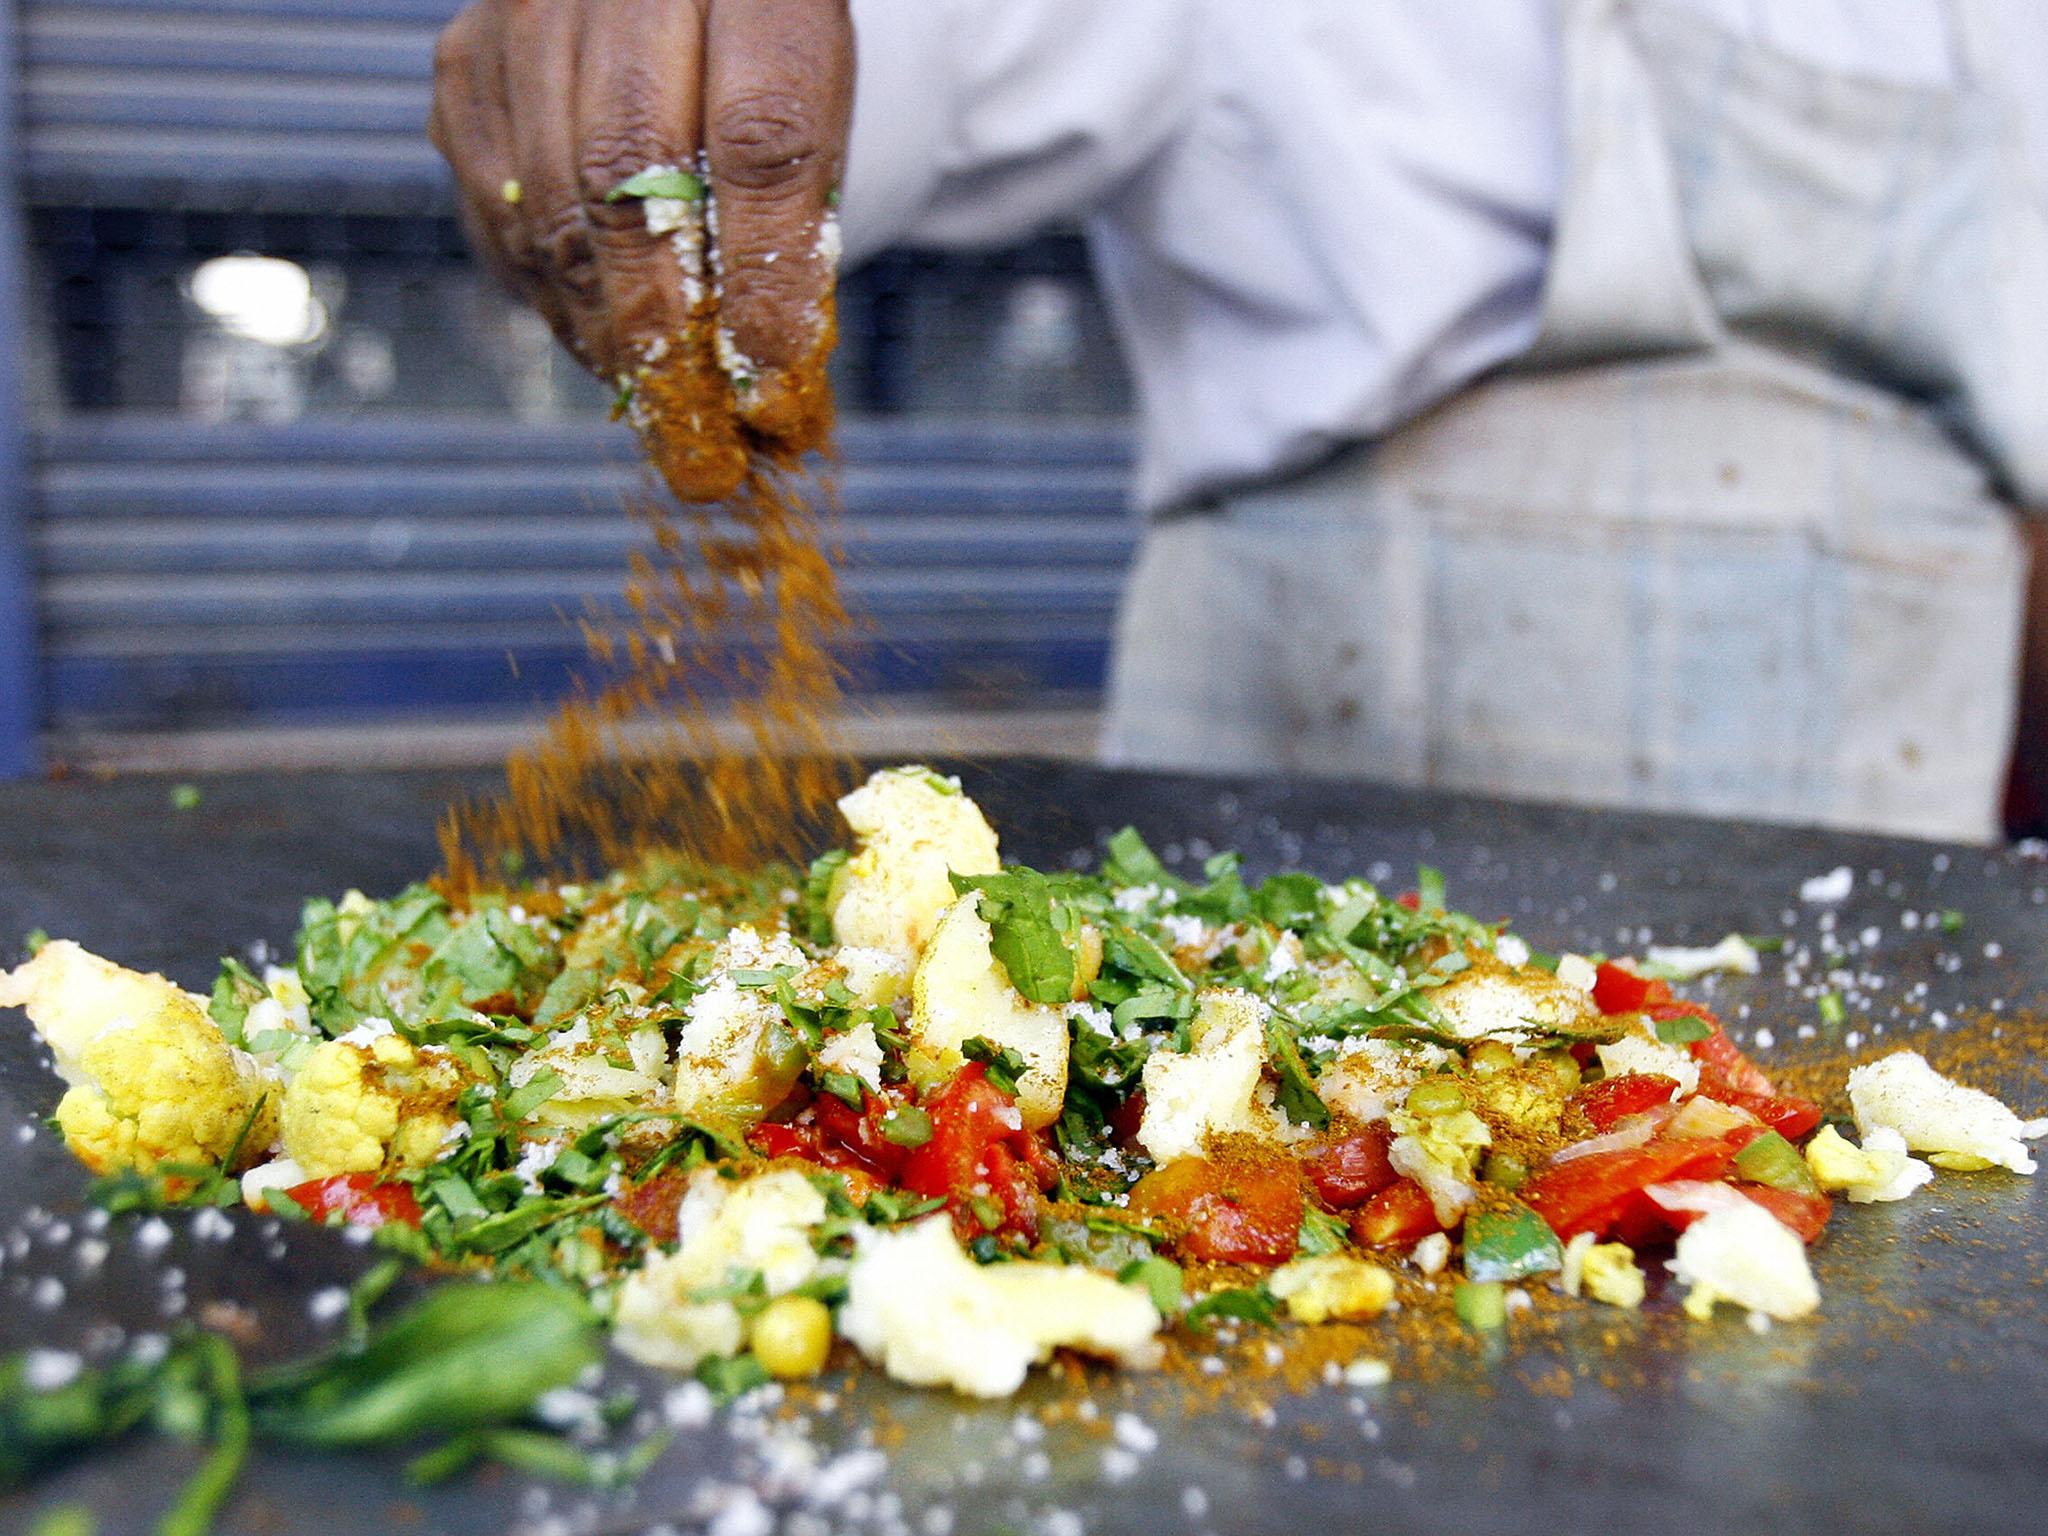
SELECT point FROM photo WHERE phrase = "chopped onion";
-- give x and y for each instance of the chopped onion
(1703, 1196)
(1632, 1131)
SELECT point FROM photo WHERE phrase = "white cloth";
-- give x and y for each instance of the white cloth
(1315, 218)
(1719, 578)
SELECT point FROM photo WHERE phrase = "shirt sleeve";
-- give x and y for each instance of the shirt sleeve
(979, 121)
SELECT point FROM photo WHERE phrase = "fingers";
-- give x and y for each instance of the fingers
(778, 88)
(469, 125)
(637, 109)
(549, 241)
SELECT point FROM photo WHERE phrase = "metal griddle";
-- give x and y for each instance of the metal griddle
(1917, 1403)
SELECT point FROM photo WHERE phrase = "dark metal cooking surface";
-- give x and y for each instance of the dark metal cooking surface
(1917, 1402)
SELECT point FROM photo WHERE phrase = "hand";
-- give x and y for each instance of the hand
(545, 107)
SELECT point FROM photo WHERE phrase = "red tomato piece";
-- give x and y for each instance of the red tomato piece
(1804, 1214)
(1597, 1192)
(1352, 1169)
(968, 1115)
(1412, 900)
(1124, 1123)
(1401, 1213)
(772, 1140)
(358, 1199)
(978, 1146)
(1616, 989)
(1240, 1213)
(1012, 1184)
(1787, 1114)
(1725, 1070)
(1613, 1099)
(858, 1134)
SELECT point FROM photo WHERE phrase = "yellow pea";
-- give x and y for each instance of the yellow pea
(792, 1336)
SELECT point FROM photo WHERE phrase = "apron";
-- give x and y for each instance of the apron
(1698, 552)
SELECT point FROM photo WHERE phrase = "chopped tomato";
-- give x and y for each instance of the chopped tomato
(1412, 900)
(1730, 1077)
(1602, 1192)
(1804, 1214)
(1352, 1169)
(358, 1199)
(1617, 989)
(1724, 1069)
(1613, 1099)
(772, 1140)
(978, 1146)
(857, 1134)
(1243, 1212)
(1124, 1123)
(1399, 1214)
(652, 1205)
(1787, 1114)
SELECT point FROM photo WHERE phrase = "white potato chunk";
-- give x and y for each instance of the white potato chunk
(959, 991)
(913, 830)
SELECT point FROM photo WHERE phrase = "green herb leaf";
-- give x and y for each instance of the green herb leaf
(1289, 901)
(844, 1087)
(681, 186)
(1004, 1065)
(1161, 1278)
(1024, 934)
(235, 992)
(1683, 1030)
(1832, 1013)
(1321, 1232)
(465, 1357)
(1297, 1096)
(813, 919)
(1255, 1304)
(1131, 861)
(731, 1377)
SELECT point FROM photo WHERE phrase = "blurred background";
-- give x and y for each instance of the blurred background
(287, 480)
(303, 484)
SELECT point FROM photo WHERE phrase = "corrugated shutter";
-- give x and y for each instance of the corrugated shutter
(213, 575)
(193, 574)
(208, 102)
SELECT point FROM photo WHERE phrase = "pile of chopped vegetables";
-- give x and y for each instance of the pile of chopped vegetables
(962, 1115)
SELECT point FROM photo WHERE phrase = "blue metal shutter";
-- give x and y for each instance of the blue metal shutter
(222, 575)
(217, 102)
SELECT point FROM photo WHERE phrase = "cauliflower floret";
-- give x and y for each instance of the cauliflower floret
(959, 992)
(1734, 954)
(1213, 1089)
(875, 977)
(1744, 1254)
(594, 1083)
(1961, 1127)
(737, 1057)
(1441, 1153)
(1877, 1170)
(919, 1307)
(857, 1053)
(762, 1225)
(368, 1102)
(1646, 1054)
(1488, 999)
(152, 1080)
(914, 829)
(1332, 1285)
(1605, 1271)
(1369, 1077)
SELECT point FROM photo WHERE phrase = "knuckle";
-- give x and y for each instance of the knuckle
(559, 249)
(764, 138)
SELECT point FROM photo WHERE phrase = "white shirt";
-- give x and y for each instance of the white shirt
(1311, 218)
